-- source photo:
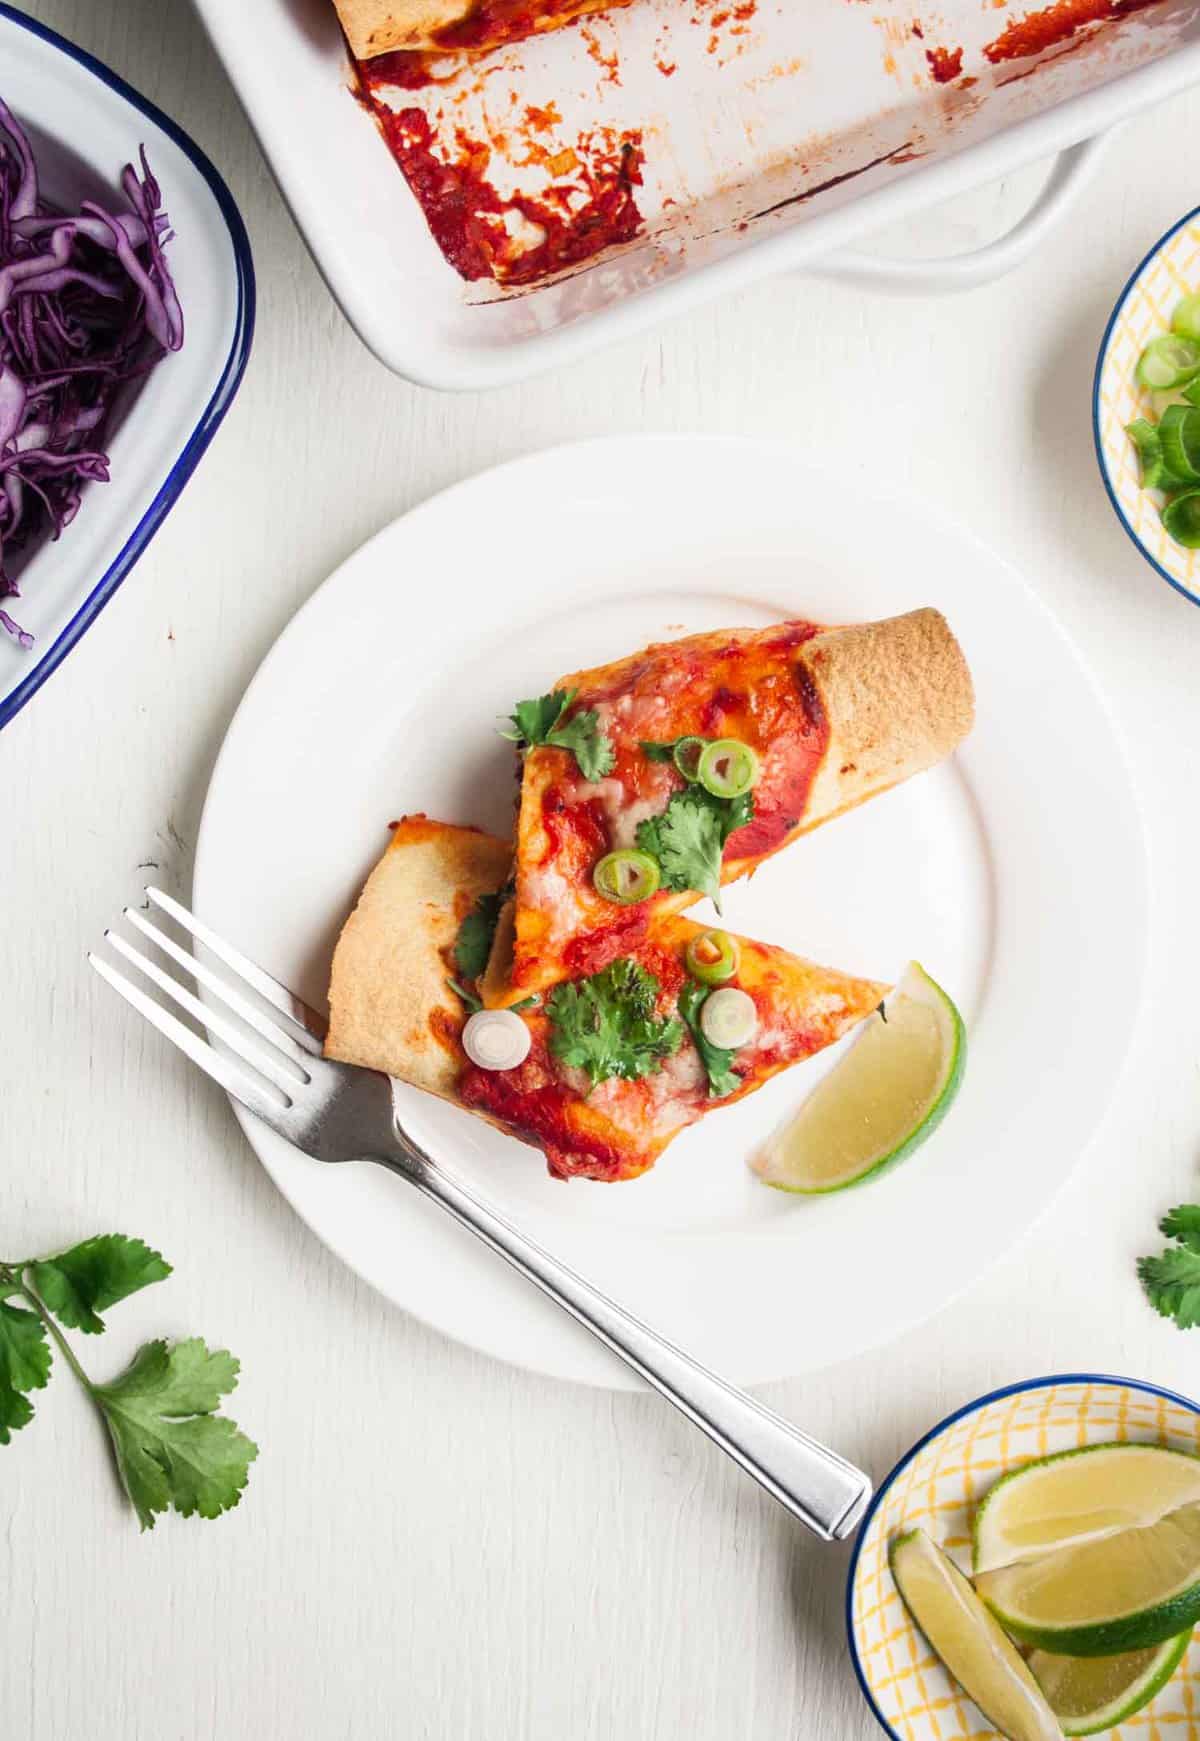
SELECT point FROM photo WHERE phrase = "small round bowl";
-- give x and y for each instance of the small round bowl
(1170, 271)
(86, 122)
(937, 1485)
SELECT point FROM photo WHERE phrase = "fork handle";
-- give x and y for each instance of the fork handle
(817, 1486)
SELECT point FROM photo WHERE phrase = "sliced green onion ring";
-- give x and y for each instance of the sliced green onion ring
(1179, 432)
(496, 1039)
(1185, 322)
(687, 757)
(1145, 437)
(728, 1018)
(1168, 361)
(627, 877)
(1182, 519)
(712, 957)
(729, 768)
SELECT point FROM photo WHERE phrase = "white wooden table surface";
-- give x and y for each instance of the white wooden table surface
(434, 1545)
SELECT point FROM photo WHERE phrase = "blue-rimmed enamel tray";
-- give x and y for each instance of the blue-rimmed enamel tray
(86, 123)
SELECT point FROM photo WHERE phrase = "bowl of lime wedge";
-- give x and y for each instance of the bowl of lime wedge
(1031, 1569)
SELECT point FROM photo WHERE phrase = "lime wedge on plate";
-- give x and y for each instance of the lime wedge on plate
(881, 1100)
(1079, 1496)
(1121, 1592)
(962, 1632)
(1089, 1694)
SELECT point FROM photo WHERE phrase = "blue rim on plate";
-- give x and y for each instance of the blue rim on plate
(213, 413)
(980, 1402)
(1167, 236)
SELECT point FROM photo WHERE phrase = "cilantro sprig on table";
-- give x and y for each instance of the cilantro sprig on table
(606, 1024)
(541, 721)
(1172, 1279)
(173, 1450)
(688, 839)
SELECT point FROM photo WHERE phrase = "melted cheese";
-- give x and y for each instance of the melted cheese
(547, 889)
(623, 814)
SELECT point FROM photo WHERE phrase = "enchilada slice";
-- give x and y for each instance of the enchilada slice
(652, 781)
(618, 1062)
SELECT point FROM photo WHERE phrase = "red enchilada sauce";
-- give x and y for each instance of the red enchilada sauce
(536, 1107)
(759, 697)
(466, 214)
(536, 1103)
(572, 221)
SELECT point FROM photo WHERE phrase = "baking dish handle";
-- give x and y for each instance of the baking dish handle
(1073, 170)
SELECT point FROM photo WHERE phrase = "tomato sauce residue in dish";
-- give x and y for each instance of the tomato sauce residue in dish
(724, 18)
(944, 63)
(469, 218)
(1038, 31)
(402, 71)
(607, 59)
(490, 23)
(902, 154)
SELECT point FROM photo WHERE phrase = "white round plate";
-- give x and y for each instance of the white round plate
(1015, 874)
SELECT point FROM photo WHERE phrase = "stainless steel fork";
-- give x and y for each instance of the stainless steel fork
(271, 1060)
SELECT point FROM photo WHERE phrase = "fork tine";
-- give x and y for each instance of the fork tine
(215, 1064)
(284, 1073)
(294, 1044)
(285, 1001)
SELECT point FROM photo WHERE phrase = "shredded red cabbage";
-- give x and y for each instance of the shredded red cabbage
(86, 305)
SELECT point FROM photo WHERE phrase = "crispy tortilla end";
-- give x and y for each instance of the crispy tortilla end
(391, 1007)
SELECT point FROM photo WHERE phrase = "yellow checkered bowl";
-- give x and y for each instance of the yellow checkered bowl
(1170, 271)
(937, 1486)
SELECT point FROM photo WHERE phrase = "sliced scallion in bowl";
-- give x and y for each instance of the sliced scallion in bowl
(1169, 449)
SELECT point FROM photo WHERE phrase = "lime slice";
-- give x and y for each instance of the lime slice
(962, 1632)
(881, 1100)
(1121, 1592)
(1091, 1693)
(1079, 1496)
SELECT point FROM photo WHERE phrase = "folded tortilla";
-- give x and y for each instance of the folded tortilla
(376, 27)
(390, 1006)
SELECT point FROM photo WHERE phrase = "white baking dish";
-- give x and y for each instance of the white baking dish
(745, 174)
